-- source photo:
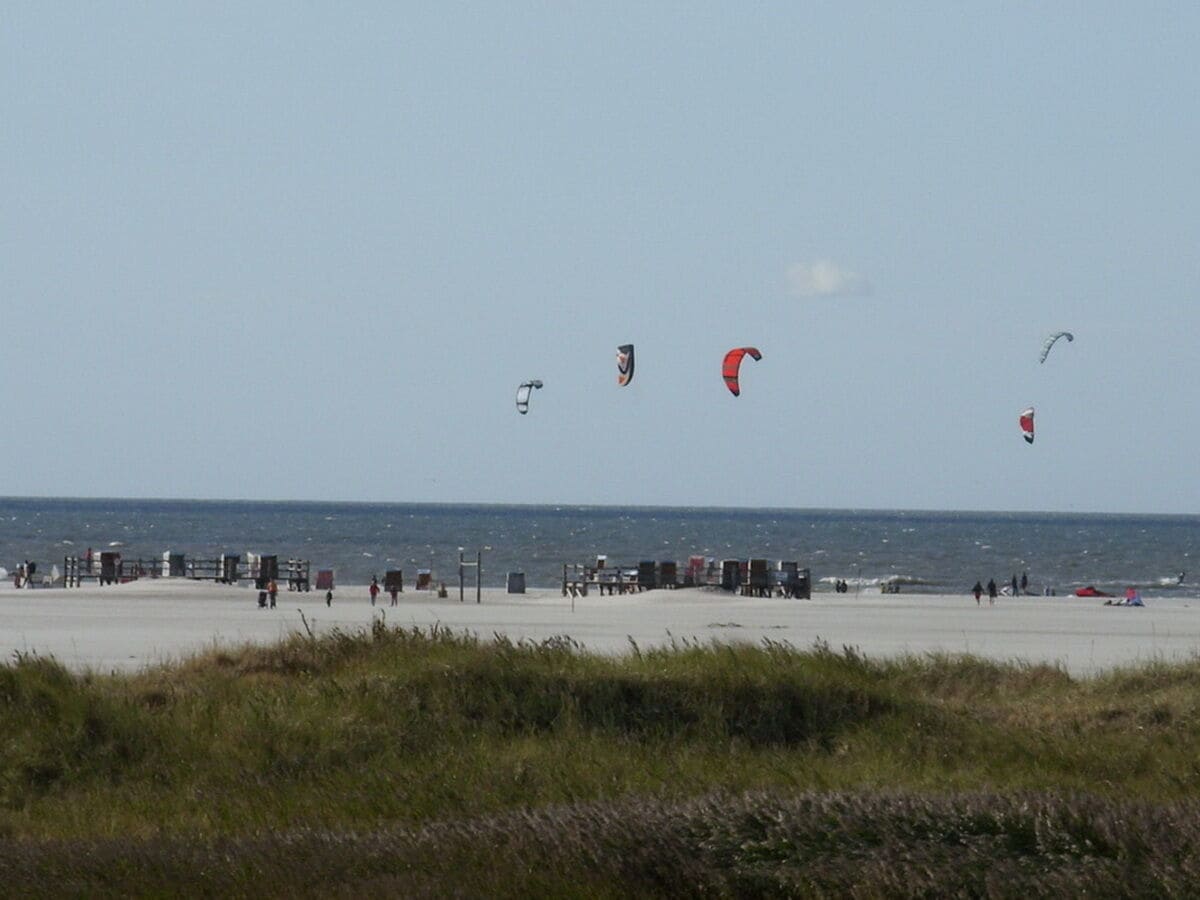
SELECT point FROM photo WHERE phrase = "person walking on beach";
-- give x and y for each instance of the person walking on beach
(374, 589)
(1015, 589)
(329, 598)
(272, 590)
(1024, 582)
(991, 591)
(977, 591)
(394, 591)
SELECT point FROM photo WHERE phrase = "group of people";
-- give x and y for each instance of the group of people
(840, 586)
(267, 597)
(1016, 588)
(23, 577)
(393, 590)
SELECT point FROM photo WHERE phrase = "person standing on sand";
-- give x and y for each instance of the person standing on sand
(329, 598)
(374, 589)
(1024, 582)
(977, 591)
(272, 590)
(991, 591)
(1015, 589)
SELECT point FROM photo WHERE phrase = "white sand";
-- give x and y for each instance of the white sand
(128, 627)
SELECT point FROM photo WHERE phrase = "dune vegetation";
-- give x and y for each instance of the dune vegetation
(432, 763)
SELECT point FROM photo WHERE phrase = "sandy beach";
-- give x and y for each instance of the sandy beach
(132, 626)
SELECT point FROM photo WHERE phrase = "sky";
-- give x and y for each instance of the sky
(308, 251)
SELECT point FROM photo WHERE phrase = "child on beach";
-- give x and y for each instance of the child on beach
(977, 591)
(374, 589)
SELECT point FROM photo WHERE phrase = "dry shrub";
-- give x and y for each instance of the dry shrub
(757, 844)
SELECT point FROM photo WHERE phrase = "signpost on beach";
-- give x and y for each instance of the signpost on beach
(463, 565)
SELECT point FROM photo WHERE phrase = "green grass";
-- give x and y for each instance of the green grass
(416, 762)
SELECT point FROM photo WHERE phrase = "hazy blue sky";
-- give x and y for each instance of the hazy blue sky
(308, 251)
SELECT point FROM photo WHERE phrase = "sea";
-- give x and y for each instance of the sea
(913, 551)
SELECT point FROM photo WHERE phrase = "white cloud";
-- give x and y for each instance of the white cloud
(822, 278)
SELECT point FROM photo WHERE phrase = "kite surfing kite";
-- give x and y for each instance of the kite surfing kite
(733, 363)
(1027, 424)
(1050, 341)
(523, 393)
(624, 364)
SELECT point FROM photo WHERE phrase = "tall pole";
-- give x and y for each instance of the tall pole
(460, 575)
(479, 576)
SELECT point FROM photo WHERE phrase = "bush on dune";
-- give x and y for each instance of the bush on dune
(404, 760)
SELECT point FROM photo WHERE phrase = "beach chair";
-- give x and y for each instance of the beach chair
(110, 567)
(424, 580)
(667, 575)
(228, 572)
(758, 582)
(645, 576)
(629, 581)
(731, 574)
(803, 589)
(324, 579)
(393, 579)
(788, 576)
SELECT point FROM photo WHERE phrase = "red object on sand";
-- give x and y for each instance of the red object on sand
(1090, 591)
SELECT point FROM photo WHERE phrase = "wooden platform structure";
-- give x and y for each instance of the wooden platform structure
(113, 568)
(108, 568)
(578, 579)
(755, 577)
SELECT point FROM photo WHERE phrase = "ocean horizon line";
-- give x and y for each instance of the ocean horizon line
(572, 505)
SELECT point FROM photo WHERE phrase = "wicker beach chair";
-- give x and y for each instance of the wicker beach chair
(667, 574)
(645, 576)
(759, 580)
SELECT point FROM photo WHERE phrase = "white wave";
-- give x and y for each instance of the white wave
(116, 543)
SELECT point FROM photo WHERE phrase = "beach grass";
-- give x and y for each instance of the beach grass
(431, 762)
